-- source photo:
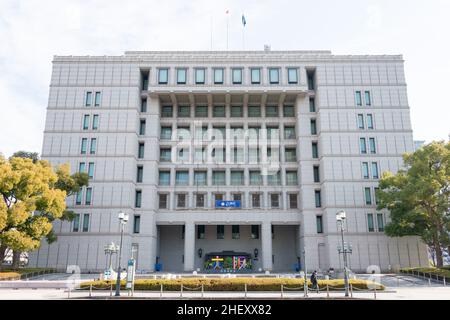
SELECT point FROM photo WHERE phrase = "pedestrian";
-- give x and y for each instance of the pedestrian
(314, 281)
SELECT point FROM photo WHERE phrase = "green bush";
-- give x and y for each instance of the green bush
(441, 272)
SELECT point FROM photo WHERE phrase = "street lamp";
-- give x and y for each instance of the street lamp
(340, 219)
(305, 282)
(123, 219)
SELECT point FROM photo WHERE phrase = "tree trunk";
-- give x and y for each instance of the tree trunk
(2, 255)
(16, 259)
(439, 258)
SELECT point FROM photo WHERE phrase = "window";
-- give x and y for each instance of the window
(367, 196)
(201, 111)
(273, 154)
(237, 76)
(291, 178)
(82, 167)
(254, 111)
(166, 133)
(136, 223)
(274, 179)
(142, 127)
(253, 155)
(255, 231)
(362, 145)
(163, 201)
(253, 133)
(220, 232)
(95, 122)
(200, 200)
(313, 126)
(181, 76)
(375, 170)
(370, 225)
(237, 133)
(292, 75)
(290, 154)
(79, 197)
(319, 224)
(184, 111)
(380, 222)
(93, 145)
(235, 232)
(317, 198)
(91, 170)
(86, 217)
(372, 145)
(288, 111)
(274, 75)
(367, 98)
(255, 178)
(138, 198)
(183, 154)
(144, 105)
(164, 178)
(237, 178)
(218, 155)
(275, 200)
(88, 199)
(166, 112)
(141, 150)
(76, 223)
(200, 155)
(98, 97)
(272, 111)
(365, 170)
(218, 178)
(316, 173)
(144, 76)
(88, 101)
(289, 132)
(86, 122)
(315, 150)
(139, 173)
(255, 75)
(369, 121)
(312, 105)
(83, 145)
(200, 76)
(163, 76)
(183, 133)
(182, 178)
(256, 200)
(293, 203)
(181, 200)
(360, 121)
(201, 231)
(165, 154)
(200, 178)
(236, 111)
(376, 190)
(219, 133)
(273, 132)
(358, 98)
(218, 196)
(218, 76)
(219, 111)
(310, 78)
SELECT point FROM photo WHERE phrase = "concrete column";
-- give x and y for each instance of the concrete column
(189, 246)
(266, 245)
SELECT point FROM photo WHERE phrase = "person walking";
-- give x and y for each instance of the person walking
(314, 281)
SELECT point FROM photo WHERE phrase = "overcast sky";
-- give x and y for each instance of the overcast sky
(32, 31)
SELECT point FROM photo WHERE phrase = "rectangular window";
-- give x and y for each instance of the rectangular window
(310, 78)
(82, 167)
(274, 75)
(183, 133)
(144, 77)
(376, 190)
(273, 154)
(256, 200)
(182, 178)
(272, 111)
(141, 150)
(370, 225)
(291, 178)
(358, 98)
(380, 222)
(220, 232)
(273, 132)
(144, 105)
(255, 75)
(183, 155)
(95, 122)
(163, 76)
(219, 111)
(236, 112)
(375, 170)
(255, 178)
(200, 200)
(275, 200)
(360, 121)
(367, 98)
(312, 105)
(136, 223)
(218, 178)
(91, 170)
(319, 224)
(181, 76)
(274, 179)
(237, 178)
(139, 174)
(362, 145)
(218, 196)
(76, 223)
(200, 76)
(98, 97)
(201, 231)
(289, 132)
(184, 111)
(86, 122)
(292, 75)
(255, 231)
(316, 173)
(181, 200)
(88, 101)
(93, 145)
(235, 232)
(201, 111)
(83, 145)
(166, 112)
(288, 111)
(200, 155)
(86, 217)
(200, 178)
(253, 134)
(163, 201)
(253, 155)
(218, 155)
(372, 145)
(237, 76)
(254, 111)
(166, 133)
(165, 154)
(369, 121)
(317, 198)
(293, 202)
(88, 199)
(315, 150)
(138, 199)
(164, 178)
(368, 196)
(218, 76)
(142, 127)
(365, 170)
(313, 126)
(79, 197)
(290, 154)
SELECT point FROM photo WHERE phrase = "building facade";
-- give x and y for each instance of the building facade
(230, 161)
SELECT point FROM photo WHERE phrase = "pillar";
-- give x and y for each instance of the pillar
(189, 246)
(266, 245)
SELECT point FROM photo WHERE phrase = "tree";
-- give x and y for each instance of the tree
(26, 154)
(418, 197)
(32, 197)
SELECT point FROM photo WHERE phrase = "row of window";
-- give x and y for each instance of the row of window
(93, 98)
(366, 121)
(359, 99)
(363, 145)
(370, 223)
(370, 195)
(87, 122)
(372, 172)
(90, 171)
(92, 145)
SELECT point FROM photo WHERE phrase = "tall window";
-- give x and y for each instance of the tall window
(136, 223)
(138, 198)
(380, 222)
(319, 224)
(275, 200)
(200, 178)
(200, 76)
(362, 145)
(181, 200)
(369, 121)
(235, 232)
(181, 76)
(290, 154)
(255, 75)
(218, 76)
(200, 155)
(289, 132)
(79, 197)
(358, 98)
(273, 132)
(218, 178)
(88, 199)
(255, 177)
(91, 170)
(86, 122)
(86, 219)
(237, 76)
(288, 111)
(201, 231)
(163, 201)
(274, 179)
(200, 200)
(274, 75)
(166, 112)
(95, 122)
(316, 173)
(367, 98)
(139, 173)
(372, 145)
(98, 97)
(142, 127)
(166, 133)
(315, 150)
(253, 155)
(76, 223)
(220, 231)
(317, 198)
(293, 202)
(375, 170)
(272, 111)
(93, 145)
(256, 200)
(218, 155)
(255, 231)
(291, 178)
(141, 150)
(144, 105)
(183, 154)
(83, 145)
(201, 111)
(365, 170)
(163, 76)
(182, 178)
(312, 105)
(82, 167)
(184, 111)
(292, 75)
(313, 126)
(237, 178)
(360, 121)
(88, 101)
(367, 196)
(164, 178)
(370, 224)
(165, 154)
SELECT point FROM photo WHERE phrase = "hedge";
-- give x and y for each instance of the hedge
(442, 272)
(233, 284)
(9, 275)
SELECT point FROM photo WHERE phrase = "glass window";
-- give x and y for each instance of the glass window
(376, 190)
(315, 150)
(184, 111)
(316, 173)
(91, 170)
(237, 133)
(255, 231)
(370, 225)
(272, 111)
(273, 132)
(235, 232)
(365, 170)
(289, 132)
(255, 75)
(254, 111)
(141, 150)
(218, 155)
(218, 196)
(166, 133)
(372, 145)
(253, 155)
(256, 200)
(200, 76)
(253, 133)
(95, 122)
(93, 145)
(86, 122)
(144, 105)
(236, 111)
(200, 155)
(199, 200)
(237, 76)
(88, 199)
(274, 200)
(98, 97)
(369, 121)
(181, 76)
(293, 202)
(375, 170)
(164, 178)
(219, 111)
(237, 196)
(358, 98)
(82, 167)
(238, 155)
(312, 105)
(166, 112)
(76, 223)
(183, 133)
(274, 179)
(142, 127)
(273, 154)
(139, 173)
(220, 231)
(318, 199)
(367, 196)
(313, 126)
(163, 76)
(200, 178)
(165, 154)
(86, 217)
(288, 111)
(163, 201)
(292, 75)
(201, 231)
(201, 111)
(182, 178)
(367, 98)
(310, 78)
(79, 197)
(237, 178)
(218, 75)
(218, 178)
(380, 222)
(136, 223)
(362, 145)
(88, 101)
(255, 178)
(360, 121)
(83, 145)
(181, 200)
(138, 199)
(274, 75)
(290, 154)
(319, 224)
(291, 178)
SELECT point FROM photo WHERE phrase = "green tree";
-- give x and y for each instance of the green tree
(418, 197)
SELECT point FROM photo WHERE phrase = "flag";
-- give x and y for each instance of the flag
(244, 22)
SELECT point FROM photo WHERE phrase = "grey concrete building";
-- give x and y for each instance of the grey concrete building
(244, 156)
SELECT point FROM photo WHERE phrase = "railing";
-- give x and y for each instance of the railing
(427, 276)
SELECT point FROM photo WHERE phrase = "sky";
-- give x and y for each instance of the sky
(33, 31)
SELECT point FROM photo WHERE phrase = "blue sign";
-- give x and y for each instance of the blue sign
(228, 204)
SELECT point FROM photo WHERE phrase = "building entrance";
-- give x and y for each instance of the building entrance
(228, 262)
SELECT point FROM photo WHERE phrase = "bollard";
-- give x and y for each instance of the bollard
(245, 290)
(375, 293)
(351, 291)
(202, 290)
(328, 292)
(181, 291)
(281, 291)
(68, 293)
(444, 281)
(90, 291)
(429, 282)
(161, 291)
(110, 290)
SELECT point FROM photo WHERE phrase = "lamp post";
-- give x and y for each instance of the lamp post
(123, 219)
(340, 219)
(305, 283)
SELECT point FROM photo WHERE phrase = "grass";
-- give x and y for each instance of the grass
(442, 272)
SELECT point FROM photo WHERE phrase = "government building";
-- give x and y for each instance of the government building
(228, 161)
